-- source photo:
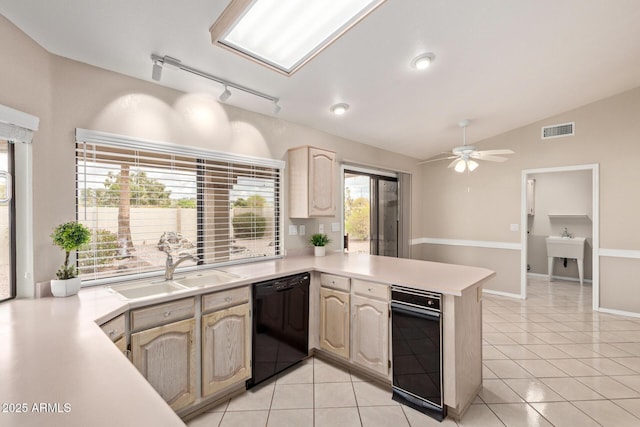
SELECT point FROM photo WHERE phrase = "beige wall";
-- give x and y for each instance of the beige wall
(483, 204)
(66, 95)
(560, 193)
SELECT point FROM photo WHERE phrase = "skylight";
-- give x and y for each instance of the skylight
(286, 34)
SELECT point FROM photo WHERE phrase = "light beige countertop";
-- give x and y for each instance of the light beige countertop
(53, 352)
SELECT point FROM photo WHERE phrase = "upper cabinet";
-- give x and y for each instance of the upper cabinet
(311, 182)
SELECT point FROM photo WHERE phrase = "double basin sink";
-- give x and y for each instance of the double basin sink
(155, 288)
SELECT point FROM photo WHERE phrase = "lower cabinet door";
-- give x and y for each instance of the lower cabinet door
(226, 348)
(166, 357)
(370, 333)
(334, 321)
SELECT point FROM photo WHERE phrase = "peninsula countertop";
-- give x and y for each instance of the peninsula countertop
(59, 368)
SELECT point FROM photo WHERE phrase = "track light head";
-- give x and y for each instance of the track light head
(226, 94)
(156, 73)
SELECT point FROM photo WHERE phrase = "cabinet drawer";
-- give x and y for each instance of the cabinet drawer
(114, 328)
(223, 299)
(371, 289)
(160, 314)
(335, 282)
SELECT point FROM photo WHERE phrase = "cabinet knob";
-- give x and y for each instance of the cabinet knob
(370, 289)
(167, 313)
(228, 299)
(112, 332)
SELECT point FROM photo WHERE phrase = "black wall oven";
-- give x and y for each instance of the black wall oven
(280, 325)
(416, 329)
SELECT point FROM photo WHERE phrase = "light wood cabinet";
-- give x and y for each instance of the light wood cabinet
(312, 182)
(370, 333)
(161, 314)
(166, 357)
(334, 321)
(114, 328)
(226, 348)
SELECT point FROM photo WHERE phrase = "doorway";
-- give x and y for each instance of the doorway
(585, 221)
(371, 212)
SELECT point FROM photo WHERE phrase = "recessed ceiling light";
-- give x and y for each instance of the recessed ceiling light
(422, 62)
(285, 35)
(339, 109)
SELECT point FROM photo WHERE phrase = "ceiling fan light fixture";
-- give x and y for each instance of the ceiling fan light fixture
(472, 165)
(461, 166)
(339, 109)
(422, 62)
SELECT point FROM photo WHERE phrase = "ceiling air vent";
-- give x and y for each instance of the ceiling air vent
(557, 131)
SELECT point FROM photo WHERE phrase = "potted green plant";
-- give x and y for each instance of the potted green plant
(319, 241)
(68, 236)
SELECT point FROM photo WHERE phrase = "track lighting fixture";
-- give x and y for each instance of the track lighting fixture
(159, 62)
(226, 94)
(156, 73)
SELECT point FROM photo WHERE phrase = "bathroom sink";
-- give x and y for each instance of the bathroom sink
(146, 290)
(563, 247)
(212, 277)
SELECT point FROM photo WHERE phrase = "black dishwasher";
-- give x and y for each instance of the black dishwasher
(280, 325)
(416, 327)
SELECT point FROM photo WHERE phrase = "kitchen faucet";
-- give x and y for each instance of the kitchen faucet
(169, 243)
(170, 266)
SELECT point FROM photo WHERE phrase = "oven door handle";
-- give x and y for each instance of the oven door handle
(414, 311)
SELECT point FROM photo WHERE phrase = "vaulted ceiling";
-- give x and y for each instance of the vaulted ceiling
(500, 63)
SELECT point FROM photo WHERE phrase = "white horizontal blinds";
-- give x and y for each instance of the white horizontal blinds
(247, 198)
(129, 197)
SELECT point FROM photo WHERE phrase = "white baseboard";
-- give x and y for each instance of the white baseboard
(619, 312)
(502, 294)
(569, 279)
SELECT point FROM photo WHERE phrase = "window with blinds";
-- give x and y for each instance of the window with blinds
(223, 211)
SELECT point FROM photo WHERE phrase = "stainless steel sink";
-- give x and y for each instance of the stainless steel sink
(146, 290)
(209, 278)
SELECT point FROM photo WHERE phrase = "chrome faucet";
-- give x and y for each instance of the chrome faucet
(170, 266)
(566, 234)
(171, 242)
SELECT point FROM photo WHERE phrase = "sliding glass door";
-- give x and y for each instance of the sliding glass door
(371, 213)
(7, 223)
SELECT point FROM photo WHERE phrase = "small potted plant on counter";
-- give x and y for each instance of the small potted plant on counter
(68, 236)
(319, 241)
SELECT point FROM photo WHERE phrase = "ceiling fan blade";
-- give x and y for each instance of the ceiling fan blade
(452, 164)
(489, 158)
(435, 160)
(494, 152)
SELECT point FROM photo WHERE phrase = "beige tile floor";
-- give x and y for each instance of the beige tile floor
(548, 361)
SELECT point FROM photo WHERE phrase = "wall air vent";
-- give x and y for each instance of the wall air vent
(557, 131)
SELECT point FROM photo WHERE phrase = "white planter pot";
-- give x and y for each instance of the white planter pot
(65, 288)
(319, 250)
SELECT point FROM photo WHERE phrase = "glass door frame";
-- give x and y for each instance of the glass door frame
(375, 173)
(11, 223)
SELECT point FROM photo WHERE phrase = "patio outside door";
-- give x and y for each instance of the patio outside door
(371, 213)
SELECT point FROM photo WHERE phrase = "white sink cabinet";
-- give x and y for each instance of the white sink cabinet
(562, 247)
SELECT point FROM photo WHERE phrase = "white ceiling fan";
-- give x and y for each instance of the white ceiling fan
(465, 156)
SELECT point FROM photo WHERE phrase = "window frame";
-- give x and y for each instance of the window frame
(200, 158)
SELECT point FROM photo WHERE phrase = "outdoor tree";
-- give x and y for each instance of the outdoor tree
(126, 189)
(253, 201)
(357, 217)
